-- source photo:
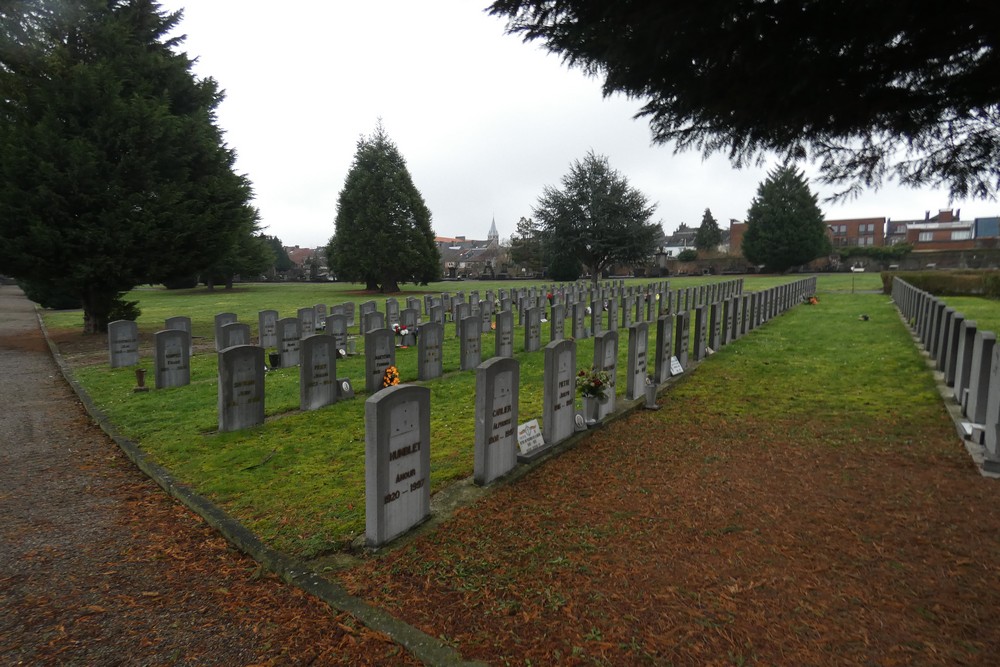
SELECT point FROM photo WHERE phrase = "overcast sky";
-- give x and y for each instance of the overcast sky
(483, 120)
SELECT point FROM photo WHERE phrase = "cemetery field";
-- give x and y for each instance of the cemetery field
(298, 480)
(802, 498)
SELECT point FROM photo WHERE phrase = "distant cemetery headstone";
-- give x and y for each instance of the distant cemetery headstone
(267, 325)
(682, 334)
(317, 372)
(504, 343)
(391, 311)
(307, 322)
(172, 358)
(580, 321)
(558, 415)
(235, 333)
(320, 310)
(372, 321)
(408, 319)
(638, 342)
(606, 359)
(336, 326)
(221, 320)
(664, 347)
(700, 329)
(429, 362)
(289, 341)
(495, 454)
(123, 343)
(533, 329)
(241, 387)
(181, 323)
(397, 461)
(714, 336)
(557, 323)
(471, 352)
(613, 314)
(380, 353)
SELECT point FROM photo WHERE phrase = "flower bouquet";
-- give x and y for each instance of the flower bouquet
(390, 377)
(593, 383)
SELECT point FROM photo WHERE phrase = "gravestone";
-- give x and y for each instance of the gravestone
(471, 352)
(320, 310)
(982, 351)
(364, 309)
(638, 343)
(289, 341)
(945, 326)
(991, 421)
(267, 326)
(241, 387)
(181, 323)
(533, 329)
(558, 415)
(504, 342)
(664, 347)
(727, 321)
(436, 314)
(627, 308)
(460, 312)
(380, 353)
(397, 461)
(580, 320)
(951, 350)
(596, 315)
(413, 303)
(373, 320)
(307, 322)
(172, 358)
(408, 318)
(486, 314)
(349, 313)
(745, 315)
(317, 372)
(336, 327)
(234, 333)
(606, 359)
(682, 332)
(221, 320)
(123, 343)
(557, 323)
(613, 314)
(700, 326)
(495, 452)
(391, 311)
(429, 362)
(714, 336)
(963, 363)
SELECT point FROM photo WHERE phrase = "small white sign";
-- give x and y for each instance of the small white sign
(675, 366)
(529, 437)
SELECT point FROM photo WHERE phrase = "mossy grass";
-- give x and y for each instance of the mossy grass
(298, 480)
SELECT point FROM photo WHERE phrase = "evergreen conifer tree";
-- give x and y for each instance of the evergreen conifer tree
(709, 235)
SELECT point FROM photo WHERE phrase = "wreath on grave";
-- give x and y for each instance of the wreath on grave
(390, 377)
(593, 383)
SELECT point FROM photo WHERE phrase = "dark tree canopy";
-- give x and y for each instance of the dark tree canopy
(527, 246)
(709, 235)
(597, 218)
(785, 226)
(872, 90)
(112, 170)
(383, 227)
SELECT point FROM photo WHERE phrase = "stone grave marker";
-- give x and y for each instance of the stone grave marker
(682, 333)
(495, 453)
(320, 310)
(460, 312)
(267, 325)
(221, 320)
(664, 347)
(963, 363)
(241, 387)
(336, 326)
(373, 320)
(317, 372)
(408, 318)
(289, 341)
(413, 303)
(504, 341)
(123, 343)
(471, 351)
(558, 415)
(391, 311)
(307, 322)
(714, 336)
(979, 382)
(397, 461)
(429, 361)
(533, 329)
(557, 323)
(235, 333)
(436, 314)
(182, 323)
(349, 313)
(606, 359)
(700, 329)
(172, 358)
(638, 342)
(364, 309)
(628, 305)
(951, 351)
(613, 314)
(380, 353)
(991, 420)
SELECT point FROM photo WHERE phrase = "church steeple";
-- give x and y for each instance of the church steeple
(494, 236)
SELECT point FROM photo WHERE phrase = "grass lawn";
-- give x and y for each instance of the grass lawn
(308, 498)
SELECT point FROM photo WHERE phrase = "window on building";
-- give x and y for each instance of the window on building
(926, 236)
(961, 236)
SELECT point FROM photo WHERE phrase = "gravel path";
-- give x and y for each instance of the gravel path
(99, 567)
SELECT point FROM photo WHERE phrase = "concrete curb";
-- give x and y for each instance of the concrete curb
(428, 649)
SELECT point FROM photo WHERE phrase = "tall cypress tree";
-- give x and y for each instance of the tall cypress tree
(383, 227)
(709, 235)
(113, 171)
(784, 224)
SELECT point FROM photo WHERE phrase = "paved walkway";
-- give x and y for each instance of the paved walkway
(98, 567)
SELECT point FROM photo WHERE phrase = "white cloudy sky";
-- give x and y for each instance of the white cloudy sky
(483, 120)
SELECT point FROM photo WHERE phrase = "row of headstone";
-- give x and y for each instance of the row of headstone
(967, 357)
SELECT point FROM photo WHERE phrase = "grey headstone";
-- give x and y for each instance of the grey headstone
(408, 318)
(221, 320)
(682, 333)
(391, 311)
(289, 341)
(664, 347)
(557, 322)
(606, 359)
(979, 382)
(991, 421)
(320, 310)
(558, 397)
(504, 341)
(533, 329)
(613, 314)
(172, 358)
(336, 327)
(963, 362)
(241, 387)
(123, 343)
(429, 362)
(182, 323)
(471, 350)
(235, 333)
(373, 320)
(580, 321)
(397, 461)
(380, 353)
(497, 383)
(714, 317)
(307, 322)
(267, 325)
(951, 351)
(317, 372)
(700, 327)
(638, 344)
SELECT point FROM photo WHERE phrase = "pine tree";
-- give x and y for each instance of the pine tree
(383, 227)
(709, 235)
(784, 224)
(597, 219)
(113, 172)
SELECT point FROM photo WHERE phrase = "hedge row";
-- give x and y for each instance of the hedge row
(948, 283)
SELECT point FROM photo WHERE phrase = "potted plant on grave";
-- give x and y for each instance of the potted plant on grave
(593, 385)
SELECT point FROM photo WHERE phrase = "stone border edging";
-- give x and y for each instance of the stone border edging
(428, 649)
